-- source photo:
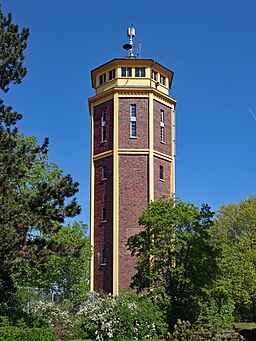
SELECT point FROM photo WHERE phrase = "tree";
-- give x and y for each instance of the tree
(12, 45)
(235, 228)
(176, 257)
(65, 269)
(34, 201)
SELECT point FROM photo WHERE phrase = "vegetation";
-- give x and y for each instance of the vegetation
(177, 259)
(126, 317)
(37, 249)
(191, 265)
(235, 228)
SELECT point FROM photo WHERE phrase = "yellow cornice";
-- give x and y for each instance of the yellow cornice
(102, 155)
(131, 92)
(163, 156)
(133, 151)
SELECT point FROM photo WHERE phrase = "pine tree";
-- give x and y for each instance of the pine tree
(27, 213)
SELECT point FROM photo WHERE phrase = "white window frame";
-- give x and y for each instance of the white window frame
(103, 126)
(133, 121)
(154, 75)
(162, 79)
(103, 78)
(103, 173)
(161, 173)
(126, 72)
(140, 72)
(104, 215)
(103, 257)
(111, 74)
(162, 139)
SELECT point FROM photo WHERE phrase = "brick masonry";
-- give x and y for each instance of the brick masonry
(133, 183)
(133, 198)
(162, 147)
(99, 146)
(103, 231)
(124, 139)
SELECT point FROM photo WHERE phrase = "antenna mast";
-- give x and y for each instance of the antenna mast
(129, 47)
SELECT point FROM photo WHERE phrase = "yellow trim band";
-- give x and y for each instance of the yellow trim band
(115, 199)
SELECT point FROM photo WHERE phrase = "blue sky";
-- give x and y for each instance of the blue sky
(209, 44)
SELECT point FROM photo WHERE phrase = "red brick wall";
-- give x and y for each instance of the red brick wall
(103, 231)
(162, 147)
(100, 147)
(161, 188)
(124, 123)
(133, 198)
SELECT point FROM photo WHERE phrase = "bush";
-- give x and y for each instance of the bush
(126, 317)
(12, 333)
(57, 317)
(183, 331)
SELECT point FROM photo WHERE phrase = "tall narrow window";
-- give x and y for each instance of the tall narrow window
(103, 125)
(104, 214)
(161, 172)
(162, 126)
(139, 72)
(133, 127)
(103, 257)
(103, 173)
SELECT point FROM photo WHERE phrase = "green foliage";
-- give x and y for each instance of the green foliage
(126, 317)
(13, 43)
(12, 333)
(176, 256)
(183, 331)
(235, 230)
(66, 272)
(57, 317)
(35, 199)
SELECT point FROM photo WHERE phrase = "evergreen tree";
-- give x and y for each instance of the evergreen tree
(28, 211)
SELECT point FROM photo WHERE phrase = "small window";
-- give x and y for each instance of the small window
(161, 173)
(104, 214)
(103, 79)
(103, 257)
(133, 126)
(111, 74)
(126, 72)
(103, 125)
(154, 75)
(162, 126)
(162, 79)
(104, 173)
(139, 72)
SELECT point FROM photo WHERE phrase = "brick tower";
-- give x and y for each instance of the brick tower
(132, 159)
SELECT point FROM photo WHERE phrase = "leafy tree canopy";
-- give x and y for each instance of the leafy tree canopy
(176, 256)
(235, 228)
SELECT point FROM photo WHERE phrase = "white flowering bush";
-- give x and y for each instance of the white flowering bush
(57, 317)
(126, 317)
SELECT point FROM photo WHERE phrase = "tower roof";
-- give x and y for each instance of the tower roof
(129, 62)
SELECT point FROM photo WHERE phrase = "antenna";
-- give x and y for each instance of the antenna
(139, 49)
(129, 47)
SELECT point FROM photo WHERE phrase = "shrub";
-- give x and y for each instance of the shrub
(126, 317)
(57, 317)
(183, 331)
(12, 333)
